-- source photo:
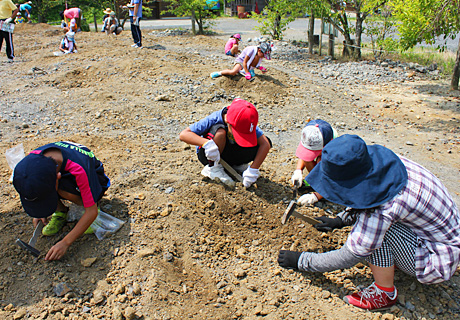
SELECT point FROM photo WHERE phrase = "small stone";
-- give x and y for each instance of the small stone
(130, 313)
(388, 316)
(162, 97)
(88, 262)
(98, 296)
(325, 294)
(85, 309)
(19, 314)
(240, 273)
(136, 288)
(168, 257)
(169, 190)
(145, 252)
(61, 289)
(116, 314)
(409, 143)
(241, 251)
(120, 289)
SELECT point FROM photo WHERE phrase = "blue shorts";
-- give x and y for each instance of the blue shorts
(229, 53)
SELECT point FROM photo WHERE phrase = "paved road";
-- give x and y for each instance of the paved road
(297, 30)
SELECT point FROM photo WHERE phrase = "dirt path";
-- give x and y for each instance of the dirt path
(191, 248)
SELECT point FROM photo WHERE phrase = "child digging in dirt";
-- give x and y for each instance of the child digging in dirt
(314, 137)
(247, 61)
(67, 44)
(403, 217)
(233, 135)
(56, 171)
(231, 47)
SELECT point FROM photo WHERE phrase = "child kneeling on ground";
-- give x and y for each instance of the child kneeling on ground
(56, 171)
(230, 134)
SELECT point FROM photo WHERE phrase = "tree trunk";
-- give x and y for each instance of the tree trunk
(311, 32)
(330, 49)
(456, 74)
(276, 28)
(358, 33)
(321, 37)
(193, 22)
(95, 20)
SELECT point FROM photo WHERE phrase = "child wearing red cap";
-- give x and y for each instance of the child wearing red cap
(231, 47)
(314, 137)
(233, 135)
(60, 170)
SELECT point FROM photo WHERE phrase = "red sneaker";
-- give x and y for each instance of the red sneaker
(371, 298)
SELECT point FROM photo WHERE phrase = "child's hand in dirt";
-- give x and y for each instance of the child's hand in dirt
(57, 251)
(263, 69)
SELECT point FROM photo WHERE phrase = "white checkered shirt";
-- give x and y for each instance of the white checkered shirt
(425, 206)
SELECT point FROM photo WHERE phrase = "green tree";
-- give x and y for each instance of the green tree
(426, 20)
(277, 15)
(339, 18)
(380, 29)
(196, 9)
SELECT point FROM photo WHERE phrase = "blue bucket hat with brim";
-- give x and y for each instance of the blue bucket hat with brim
(357, 175)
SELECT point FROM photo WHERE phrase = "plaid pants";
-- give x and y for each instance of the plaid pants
(398, 249)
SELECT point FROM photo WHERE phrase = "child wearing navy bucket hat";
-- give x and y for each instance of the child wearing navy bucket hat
(314, 137)
(57, 171)
(233, 135)
(402, 215)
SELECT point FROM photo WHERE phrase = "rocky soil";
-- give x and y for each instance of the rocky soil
(191, 248)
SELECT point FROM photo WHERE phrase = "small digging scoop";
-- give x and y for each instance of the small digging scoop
(31, 245)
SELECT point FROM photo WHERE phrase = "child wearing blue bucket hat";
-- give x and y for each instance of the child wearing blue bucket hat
(402, 215)
(57, 171)
(315, 135)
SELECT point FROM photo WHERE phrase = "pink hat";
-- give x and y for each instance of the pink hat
(237, 36)
(243, 117)
(315, 135)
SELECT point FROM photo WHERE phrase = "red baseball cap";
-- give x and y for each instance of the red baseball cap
(243, 118)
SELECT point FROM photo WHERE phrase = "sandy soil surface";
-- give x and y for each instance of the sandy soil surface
(191, 248)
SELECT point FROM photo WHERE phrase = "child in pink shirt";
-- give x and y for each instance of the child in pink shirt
(231, 47)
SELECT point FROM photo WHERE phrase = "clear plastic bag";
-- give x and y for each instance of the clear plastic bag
(13, 156)
(102, 226)
(105, 224)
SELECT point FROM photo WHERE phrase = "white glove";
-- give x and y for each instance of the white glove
(136, 21)
(66, 51)
(250, 176)
(9, 20)
(211, 151)
(307, 199)
(297, 178)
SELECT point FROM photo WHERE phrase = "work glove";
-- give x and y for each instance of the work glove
(211, 151)
(289, 259)
(250, 176)
(252, 72)
(9, 20)
(248, 76)
(307, 199)
(136, 21)
(263, 69)
(297, 178)
(329, 224)
(66, 51)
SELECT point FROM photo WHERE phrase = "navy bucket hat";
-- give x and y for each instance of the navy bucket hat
(35, 180)
(356, 175)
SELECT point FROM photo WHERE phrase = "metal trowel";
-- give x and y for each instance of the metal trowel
(31, 245)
